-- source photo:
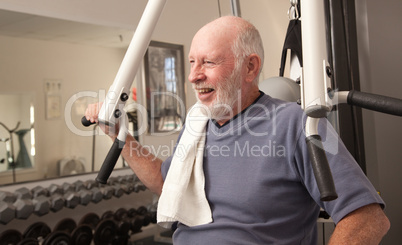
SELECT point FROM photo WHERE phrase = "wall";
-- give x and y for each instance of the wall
(27, 64)
(380, 59)
(271, 19)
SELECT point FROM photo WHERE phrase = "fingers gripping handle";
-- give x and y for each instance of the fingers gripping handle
(86, 122)
(110, 161)
(321, 169)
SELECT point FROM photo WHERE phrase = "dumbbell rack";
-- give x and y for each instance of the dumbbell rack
(47, 203)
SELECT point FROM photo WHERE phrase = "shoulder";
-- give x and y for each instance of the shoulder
(289, 114)
(287, 108)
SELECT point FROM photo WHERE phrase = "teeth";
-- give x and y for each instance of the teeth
(205, 90)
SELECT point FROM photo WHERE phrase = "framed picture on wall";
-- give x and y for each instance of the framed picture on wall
(164, 87)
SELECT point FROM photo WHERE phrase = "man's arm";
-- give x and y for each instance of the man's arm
(366, 225)
(145, 165)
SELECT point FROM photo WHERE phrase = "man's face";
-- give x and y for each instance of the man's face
(214, 76)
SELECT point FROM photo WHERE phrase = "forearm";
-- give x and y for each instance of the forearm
(145, 165)
(366, 225)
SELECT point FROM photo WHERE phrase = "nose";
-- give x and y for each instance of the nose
(196, 74)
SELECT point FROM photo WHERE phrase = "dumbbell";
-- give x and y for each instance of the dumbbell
(56, 202)
(122, 226)
(41, 205)
(133, 182)
(67, 187)
(137, 221)
(105, 228)
(89, 184)
(7, 212)
(105, 232)
(123, 231)
(7, 209)
(85, 196)
(90, 219)
(86, 191)
(118, 189)
(10, 236)
(79, 185)
(7, 196)
(97, 195)
(67, 225)
(139, 186)
(38, 231)
(78, 234)
(82, 235)
(22, 206)
(107, 215)
(23, 193)
(39, 191)
(23, 203)
(71, 199)
(126, 184)
(57, 237)
(47, 199)
(56, 197)
(31, 201)
(143, 211)
(107, 191)
(55, 189)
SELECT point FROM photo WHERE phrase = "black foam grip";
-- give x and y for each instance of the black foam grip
(110, 161)
(375, 102)
(321, 169)
(86, 122)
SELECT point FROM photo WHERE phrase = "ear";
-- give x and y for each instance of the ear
(253, 63)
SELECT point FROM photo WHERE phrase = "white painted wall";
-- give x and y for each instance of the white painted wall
(26, 64)
(380, 58)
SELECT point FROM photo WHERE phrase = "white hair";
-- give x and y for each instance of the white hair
(247, 42)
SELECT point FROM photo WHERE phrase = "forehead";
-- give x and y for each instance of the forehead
(212, 40)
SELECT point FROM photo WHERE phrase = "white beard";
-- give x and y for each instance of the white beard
(227, 95)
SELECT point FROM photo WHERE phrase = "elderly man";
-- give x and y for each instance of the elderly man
(256, 177)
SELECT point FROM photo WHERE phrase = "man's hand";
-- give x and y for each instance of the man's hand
(92, 111)
(91, 114)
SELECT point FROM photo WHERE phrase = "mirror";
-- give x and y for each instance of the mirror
(17, 133)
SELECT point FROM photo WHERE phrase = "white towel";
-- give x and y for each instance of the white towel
(183, 194)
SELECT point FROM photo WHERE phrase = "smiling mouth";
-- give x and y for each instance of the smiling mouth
(205, 90)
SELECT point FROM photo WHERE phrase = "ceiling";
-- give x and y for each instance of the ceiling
(23, 25)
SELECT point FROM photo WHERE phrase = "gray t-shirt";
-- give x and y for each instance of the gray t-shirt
(260, 184)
